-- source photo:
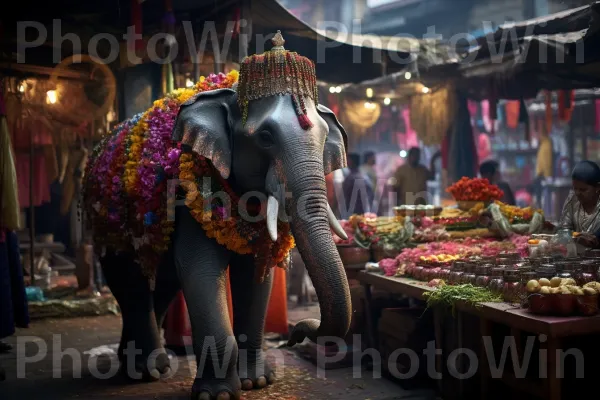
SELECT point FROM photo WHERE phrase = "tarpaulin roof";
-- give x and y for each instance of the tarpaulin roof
(341, 57)
(558, 51)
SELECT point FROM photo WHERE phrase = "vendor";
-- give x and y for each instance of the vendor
(490, 170)
(581, 212)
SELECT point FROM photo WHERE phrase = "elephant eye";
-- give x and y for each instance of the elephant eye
(266, 139)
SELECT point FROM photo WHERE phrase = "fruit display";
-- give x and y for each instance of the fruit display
(561, 296)
(475, 189)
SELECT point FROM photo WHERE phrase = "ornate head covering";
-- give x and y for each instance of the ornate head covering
(278, 72)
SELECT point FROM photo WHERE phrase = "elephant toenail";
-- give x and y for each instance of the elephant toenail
(272, 377)
(223, 396)
(261, 382)
(247, 384)
(154, 374)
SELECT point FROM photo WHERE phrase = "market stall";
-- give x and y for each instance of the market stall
(501, 264)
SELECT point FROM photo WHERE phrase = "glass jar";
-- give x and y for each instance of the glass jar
(526, 277)
(567, 271)
(513, 289)
(483, 273)
(418, 272)
(458, 269)
(496, 280)
(445, 273)
(587, 273)
(469, 276)
(546, 271)
(503, 261)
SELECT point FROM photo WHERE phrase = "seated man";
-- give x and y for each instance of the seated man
(491, 171)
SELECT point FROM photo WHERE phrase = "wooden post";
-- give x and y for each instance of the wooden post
(31, 210)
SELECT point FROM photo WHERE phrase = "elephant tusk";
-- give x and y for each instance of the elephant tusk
(335, 224)
(272, 213)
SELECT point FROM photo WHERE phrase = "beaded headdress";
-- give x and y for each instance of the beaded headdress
(278, 72)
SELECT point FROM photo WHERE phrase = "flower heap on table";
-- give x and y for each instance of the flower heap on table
(130, 203)
(475, 189)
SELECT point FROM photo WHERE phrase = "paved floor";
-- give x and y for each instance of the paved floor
(58, 379)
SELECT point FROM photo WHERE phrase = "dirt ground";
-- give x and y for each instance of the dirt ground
(48, 379)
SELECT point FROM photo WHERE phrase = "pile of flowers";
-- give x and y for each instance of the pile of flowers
(447, 251)
(516, 214)
(130, 203)
(475, 189)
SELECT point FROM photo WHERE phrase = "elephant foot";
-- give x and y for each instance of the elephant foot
(216, 389)
(257, 374)
(147, 367)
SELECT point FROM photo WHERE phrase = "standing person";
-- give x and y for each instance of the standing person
(368, 167)
(355, 183)
(411, 180)
(490, 170)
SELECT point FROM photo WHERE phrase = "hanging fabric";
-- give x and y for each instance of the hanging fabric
(512, 113)
(136, 22)
(9, 195)
(566, 104)
(524, 118)
(548, 104)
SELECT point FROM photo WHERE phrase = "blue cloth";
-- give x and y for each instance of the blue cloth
(13, 301)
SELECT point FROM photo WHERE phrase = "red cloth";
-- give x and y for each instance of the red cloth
(20, 135)
(41, 189)
(512, 113)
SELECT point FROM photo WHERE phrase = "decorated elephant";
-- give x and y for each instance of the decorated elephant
(227, 174)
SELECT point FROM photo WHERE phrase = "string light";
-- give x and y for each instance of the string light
(51, 97)
(332, 89)
(369, 92)
(425, 89)
(338, 89)
(189, 83)
(387, 101)
(407, 75)
(402, 153)
(22, 87)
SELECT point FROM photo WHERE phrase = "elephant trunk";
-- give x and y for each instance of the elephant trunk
(310, 220)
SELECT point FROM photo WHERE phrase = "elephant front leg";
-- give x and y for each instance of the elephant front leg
(202, 264)
(250, 302)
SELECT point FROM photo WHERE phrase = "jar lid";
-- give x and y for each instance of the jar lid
(511, 272)
(459, 265)
(483, 269)
(528, 275)
(497, 271)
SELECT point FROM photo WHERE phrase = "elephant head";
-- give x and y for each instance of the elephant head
(266, 148)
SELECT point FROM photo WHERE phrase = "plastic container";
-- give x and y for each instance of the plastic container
(564, 305)
(540, 303)
(587, 305)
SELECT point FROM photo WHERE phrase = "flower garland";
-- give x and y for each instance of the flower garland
(127, 196)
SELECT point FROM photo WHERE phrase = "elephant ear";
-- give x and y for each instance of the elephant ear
(334, 155)
(203, 124)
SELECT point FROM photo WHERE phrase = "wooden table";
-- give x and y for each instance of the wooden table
(550, 330)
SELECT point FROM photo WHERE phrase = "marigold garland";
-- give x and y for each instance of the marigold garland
(129, 200)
